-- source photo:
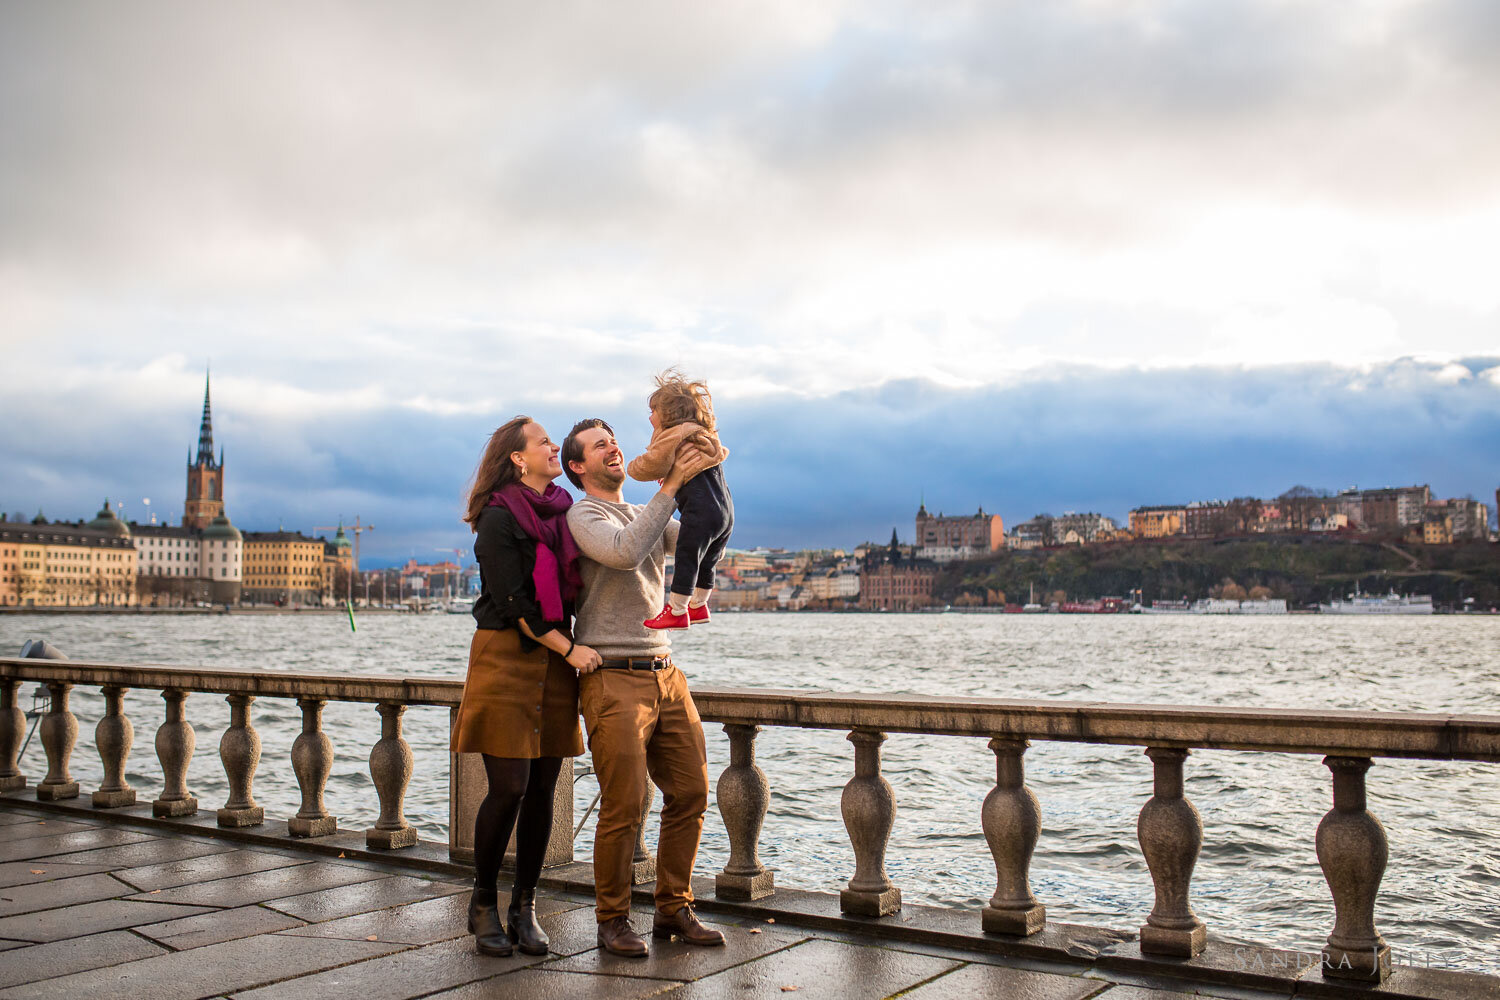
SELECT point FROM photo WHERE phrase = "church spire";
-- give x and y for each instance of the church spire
(206, 430)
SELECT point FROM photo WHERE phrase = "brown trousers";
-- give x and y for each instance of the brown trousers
(643, 723)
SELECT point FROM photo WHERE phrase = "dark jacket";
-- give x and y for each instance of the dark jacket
(507, 560)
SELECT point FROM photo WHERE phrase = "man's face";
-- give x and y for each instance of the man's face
(603, 464)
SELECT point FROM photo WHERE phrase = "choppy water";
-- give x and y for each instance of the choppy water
(1257, 878)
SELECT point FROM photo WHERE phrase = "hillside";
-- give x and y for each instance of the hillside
(1302, 569)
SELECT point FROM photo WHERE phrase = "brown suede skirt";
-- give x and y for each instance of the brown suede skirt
(517, 704)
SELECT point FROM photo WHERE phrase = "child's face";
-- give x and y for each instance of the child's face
(655, 419)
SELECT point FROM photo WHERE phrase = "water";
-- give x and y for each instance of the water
(1256, 880)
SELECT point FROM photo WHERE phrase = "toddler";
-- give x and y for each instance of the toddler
(680, 411)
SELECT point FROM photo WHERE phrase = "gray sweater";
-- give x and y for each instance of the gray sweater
(624, 548)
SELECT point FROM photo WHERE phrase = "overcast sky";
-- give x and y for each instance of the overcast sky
(1047, 256)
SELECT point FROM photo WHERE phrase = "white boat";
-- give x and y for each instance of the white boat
(461, 606)
(1227, 606)
(1167, 608)
(1390, 604)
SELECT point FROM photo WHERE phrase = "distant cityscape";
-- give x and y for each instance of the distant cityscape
(206, 559)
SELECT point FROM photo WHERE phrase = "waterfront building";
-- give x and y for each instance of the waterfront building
(944, 539)
(1386, 509)
(338, 568)
(1157, 522)
(178, 564)
(205, 476)
(282, 567)
(891, 580)
(67, 565)
(1204, 519)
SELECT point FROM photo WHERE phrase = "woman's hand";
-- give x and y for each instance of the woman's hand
(584, 659)
(691, 460)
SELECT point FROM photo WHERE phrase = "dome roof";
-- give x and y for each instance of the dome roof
(106, 521)
(341, 540)
(220, 529)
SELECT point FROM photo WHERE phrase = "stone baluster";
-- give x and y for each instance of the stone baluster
(312, 761)
(239, 750)
(390, 770)
(643, 864)
(1012, 821)
(59, 730)
(1352, 852)
(175, 743)
(1171, 834)
(743, 795)
(114, 736)
(12, 731)
(869, 809)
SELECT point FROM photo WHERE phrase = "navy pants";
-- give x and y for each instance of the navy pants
(707, 518)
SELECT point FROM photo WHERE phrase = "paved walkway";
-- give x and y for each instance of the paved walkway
(94, 908)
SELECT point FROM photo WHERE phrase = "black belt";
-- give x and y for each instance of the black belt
(636, 663)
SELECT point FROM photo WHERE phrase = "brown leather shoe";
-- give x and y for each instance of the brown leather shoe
(616, 937)
(686, 925)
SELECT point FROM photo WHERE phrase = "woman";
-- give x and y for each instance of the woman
(520, 701)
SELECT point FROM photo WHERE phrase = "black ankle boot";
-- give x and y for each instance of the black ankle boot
(520, 923)
(484, 924)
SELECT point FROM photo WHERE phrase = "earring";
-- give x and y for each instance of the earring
(524, 471)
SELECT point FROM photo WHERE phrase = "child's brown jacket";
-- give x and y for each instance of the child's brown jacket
(656, 461)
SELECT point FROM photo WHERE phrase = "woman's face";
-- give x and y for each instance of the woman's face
(539, 457)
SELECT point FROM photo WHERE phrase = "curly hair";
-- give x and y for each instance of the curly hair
(679, 400)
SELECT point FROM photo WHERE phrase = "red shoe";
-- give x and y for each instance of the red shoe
(698, 615)
(667, 620)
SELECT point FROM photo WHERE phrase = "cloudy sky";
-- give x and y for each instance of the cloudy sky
(1082, 254)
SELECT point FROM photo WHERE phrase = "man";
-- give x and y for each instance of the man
(637, 710)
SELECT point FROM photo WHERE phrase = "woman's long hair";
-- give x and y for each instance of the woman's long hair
(495, 469)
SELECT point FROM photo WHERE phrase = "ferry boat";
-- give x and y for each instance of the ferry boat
(1390, 604)
(1166, 608)
(461, 606)
(1225, 606)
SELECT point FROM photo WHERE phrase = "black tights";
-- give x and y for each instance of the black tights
(517, 786)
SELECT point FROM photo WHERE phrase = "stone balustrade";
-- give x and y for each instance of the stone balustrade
(1350, 841)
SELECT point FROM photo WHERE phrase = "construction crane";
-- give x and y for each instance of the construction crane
(358, 530)
(458, 559)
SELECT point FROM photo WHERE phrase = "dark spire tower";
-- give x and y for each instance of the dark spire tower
(205, 477)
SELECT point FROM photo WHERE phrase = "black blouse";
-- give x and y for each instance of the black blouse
(507, 560)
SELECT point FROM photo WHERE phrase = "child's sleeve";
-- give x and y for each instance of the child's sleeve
(656, 461)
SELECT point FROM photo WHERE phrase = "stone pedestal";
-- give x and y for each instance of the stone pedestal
(239, 750)
(175, 742)
(1352, 851)
(59, 732)
(1012, 821)
(743, 795)
(113, 737)
(12, 733)
(1171, 835)
(869, 810)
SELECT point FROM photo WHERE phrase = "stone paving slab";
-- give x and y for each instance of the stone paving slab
(257, 887)
(822, 969)
(211, 971)
(412, 973)
(982, 982)
(545, 984)
(68, 843)
(361, 897)
(1142, 993)
(678, 960)
(59, 892)
(41, 826)
(61, 958)
(426, 922)
(14, 873)
(9, 815)
(149, 851)
(217, 926)
(89, 918)
(204, 868)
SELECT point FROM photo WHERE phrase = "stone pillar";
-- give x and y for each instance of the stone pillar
(312, 762)
(743, 795)
(175, 742)
(643, 863)
(59, 730)
(12, 732)
(390, 770)
(114, 736)
(1352, 852)
(1171, 834)
(467, 787)
(869, 809)
(239, 750)
(1012, 821)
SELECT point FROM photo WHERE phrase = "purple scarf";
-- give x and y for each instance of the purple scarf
(544, 518)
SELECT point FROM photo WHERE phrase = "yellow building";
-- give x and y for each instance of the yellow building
(1157, 522)
(284, 567)
(1437, 529)
(67, 565)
